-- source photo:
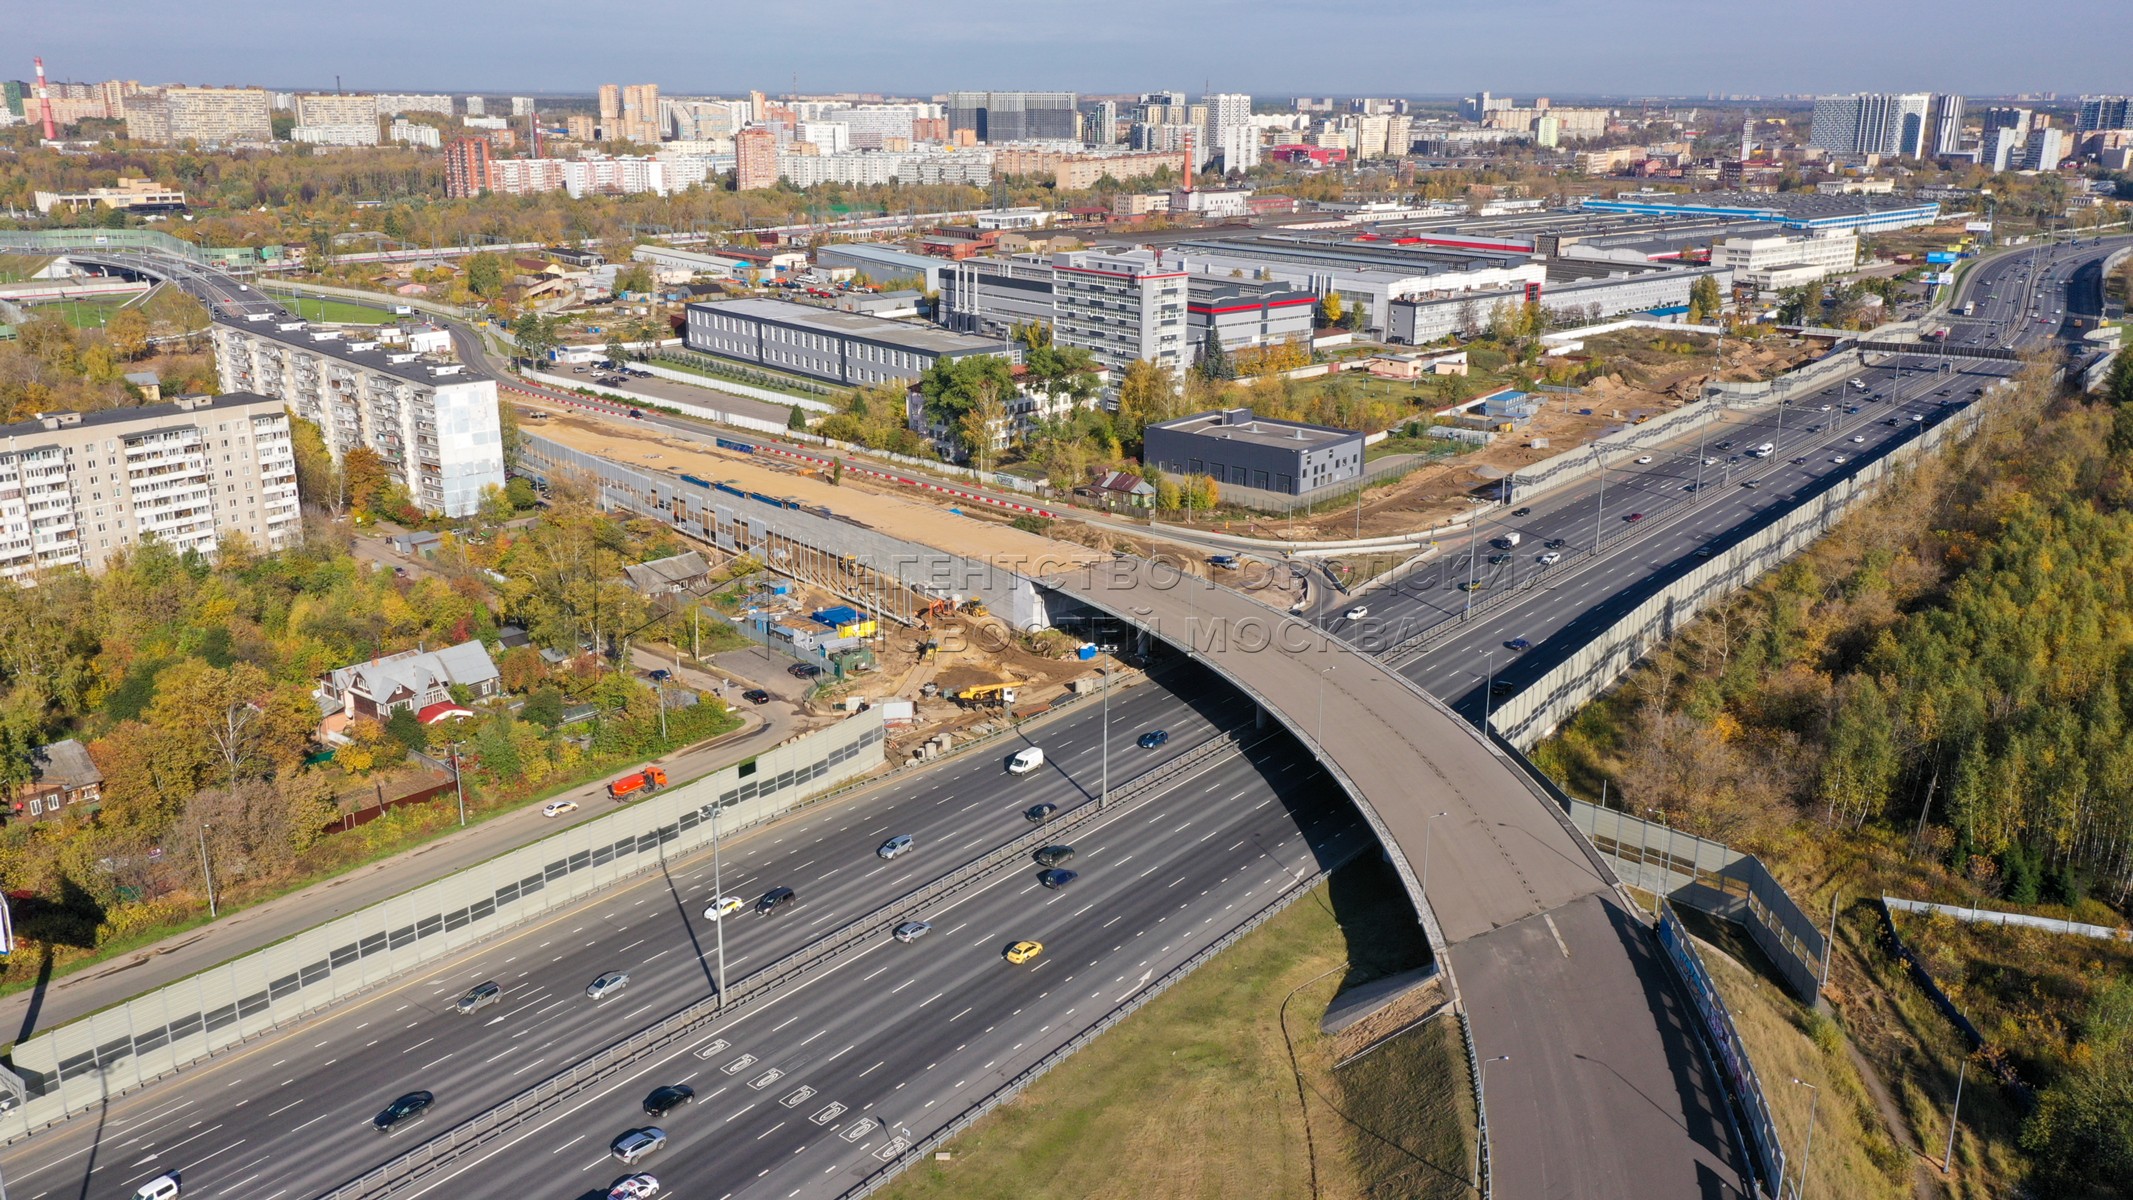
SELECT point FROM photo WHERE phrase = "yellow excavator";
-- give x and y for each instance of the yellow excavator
(991, 693)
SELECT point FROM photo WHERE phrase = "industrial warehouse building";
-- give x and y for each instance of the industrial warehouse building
(835, 347)
(1234, 447)
(1417, 321)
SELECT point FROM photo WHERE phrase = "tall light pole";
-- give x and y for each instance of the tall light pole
(1318, 734)
(1799, 1185)
(209, 871)
(458, 786)
(1105, 797)
(718, 901)
(1473, 549)
(1947, 1157)
(1481, 1091)
(1596, 513)
(1488, 691)
(1426, 831)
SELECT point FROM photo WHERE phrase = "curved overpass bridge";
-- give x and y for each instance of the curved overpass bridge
(1607, 1091)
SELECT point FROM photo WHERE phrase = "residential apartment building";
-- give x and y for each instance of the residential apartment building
(869, 167)
(337, 109)
(838, 347)
(755, 153)
(1014, 116)
(76, 488)
(1075, 170)
(392, 104)
(435, 427)
(410, 133)
(208, 116)
(2102, 113)
(1123, 306)
(525, 176)
(1947, 125)
(2046, 150)
(1871, 123)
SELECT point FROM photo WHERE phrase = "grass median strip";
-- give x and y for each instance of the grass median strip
(1198, 1095)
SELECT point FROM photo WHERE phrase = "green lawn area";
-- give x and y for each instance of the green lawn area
(89, 313)
(1224, 1088)
(314, 308)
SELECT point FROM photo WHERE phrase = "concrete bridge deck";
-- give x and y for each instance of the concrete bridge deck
(1607, 1092)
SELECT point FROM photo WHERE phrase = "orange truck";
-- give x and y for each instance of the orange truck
(637, 783)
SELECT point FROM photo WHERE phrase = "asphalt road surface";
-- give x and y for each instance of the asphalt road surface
(289, 1115)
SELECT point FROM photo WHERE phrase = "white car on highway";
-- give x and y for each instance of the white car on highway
(1551, 558)
(722, 906)
(1838, 459)
(556, 808)
(1358, 612)
(1858, 438)
(1644, 460)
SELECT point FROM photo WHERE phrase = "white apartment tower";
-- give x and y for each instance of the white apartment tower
(435, 427)
(1123, 306)
(76, 488)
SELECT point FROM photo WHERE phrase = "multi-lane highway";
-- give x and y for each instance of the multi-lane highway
(1661, 509)
(290, 1115)
(810, 1088)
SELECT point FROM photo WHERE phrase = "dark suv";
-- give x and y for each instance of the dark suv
(665, 1100)
(775, 899)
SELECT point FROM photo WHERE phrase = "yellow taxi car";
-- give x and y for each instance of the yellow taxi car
(1022, 952)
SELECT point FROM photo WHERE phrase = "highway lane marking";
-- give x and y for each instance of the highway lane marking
(1549, 921)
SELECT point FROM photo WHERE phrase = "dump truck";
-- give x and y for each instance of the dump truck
(637, 783)
(991, 693)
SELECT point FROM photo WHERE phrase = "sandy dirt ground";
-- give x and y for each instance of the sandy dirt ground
(899, 515)
(1648, 384)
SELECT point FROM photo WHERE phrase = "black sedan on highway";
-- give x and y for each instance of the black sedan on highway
(403, 1110)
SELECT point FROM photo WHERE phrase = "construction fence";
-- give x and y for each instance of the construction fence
(83, 1063)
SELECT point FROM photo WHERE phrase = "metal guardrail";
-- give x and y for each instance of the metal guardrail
(1481, 1113)
(903, 1157)
(484, 1127)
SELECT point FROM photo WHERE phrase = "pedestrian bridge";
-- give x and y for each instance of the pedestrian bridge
(1606, 1091)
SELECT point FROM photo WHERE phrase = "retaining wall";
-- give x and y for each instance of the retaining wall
(1536, 711)
(85, 1062)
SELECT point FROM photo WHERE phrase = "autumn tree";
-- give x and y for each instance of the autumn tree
(365, 479)
(128, 331)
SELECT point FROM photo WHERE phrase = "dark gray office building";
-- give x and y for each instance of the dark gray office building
(836, 347)
(1239, 449)
(1016, 116)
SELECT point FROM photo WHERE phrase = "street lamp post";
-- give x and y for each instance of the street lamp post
(718, 900)
(458, 786)
(1318, 732)
(1105, 797)
(1481, 1091)
(209, 871)
(1799, 1184)
(1597, 512)
(1427, 830)
(1488, 691)
(1947, 1156)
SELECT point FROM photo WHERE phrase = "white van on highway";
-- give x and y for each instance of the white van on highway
(1025, 761)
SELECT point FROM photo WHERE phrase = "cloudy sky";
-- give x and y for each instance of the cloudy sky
(1297, 47)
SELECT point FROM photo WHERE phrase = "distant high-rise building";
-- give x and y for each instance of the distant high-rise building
(467, 170)
(1015, 116)
(477, 107)
(2046, 150)
(610, 108)
(2001, 148)
(1871, 123)
(2099, 113)
(755, 159)
(640, 113)
(336, 119)
(1947, 125)
(209, 116)
(1099, 122)
(521, 106)
(1227, 111)
(392, 104)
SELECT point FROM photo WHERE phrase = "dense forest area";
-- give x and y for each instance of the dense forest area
(190, 680)
(1933, 701)
(50, 366)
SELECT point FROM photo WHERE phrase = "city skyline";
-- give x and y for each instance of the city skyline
(549, 46)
